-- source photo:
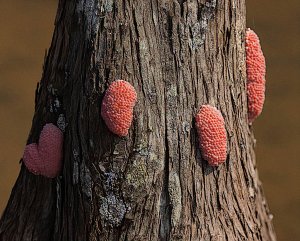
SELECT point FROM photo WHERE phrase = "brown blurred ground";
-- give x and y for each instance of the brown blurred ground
(277, 131)
(26, 30)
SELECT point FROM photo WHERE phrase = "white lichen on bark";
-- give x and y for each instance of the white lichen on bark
(112, 210)
(107, 6)
(61, 122)
(86, 180)
(175, 198)
(89, 11)
(137, 175)
(198, 21)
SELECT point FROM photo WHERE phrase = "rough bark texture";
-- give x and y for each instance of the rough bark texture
(153, 184)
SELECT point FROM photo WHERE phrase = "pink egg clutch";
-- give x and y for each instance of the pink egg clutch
(117, 107)
(211, 134)
(45, 158)
(256, 71)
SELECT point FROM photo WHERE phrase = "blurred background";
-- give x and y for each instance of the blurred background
(26, 31)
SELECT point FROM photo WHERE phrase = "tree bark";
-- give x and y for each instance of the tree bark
(152, 184)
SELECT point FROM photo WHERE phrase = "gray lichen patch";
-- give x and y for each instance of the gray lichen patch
(111, 183)
(135, 180)
(175, 198)
(198, 21)
(76, 155)
(141, 149)
(112, 210)
(153, 162)
(90, 12)
(56, 103)
(76, 166)
(141, 173)
(61, 122)
(107, 6)
(137, 174)
(86, 180)
(75, 173)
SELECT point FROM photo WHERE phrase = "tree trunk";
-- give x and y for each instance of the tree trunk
(152, 184)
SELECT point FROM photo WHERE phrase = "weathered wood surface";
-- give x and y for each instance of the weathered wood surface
(153, 184)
